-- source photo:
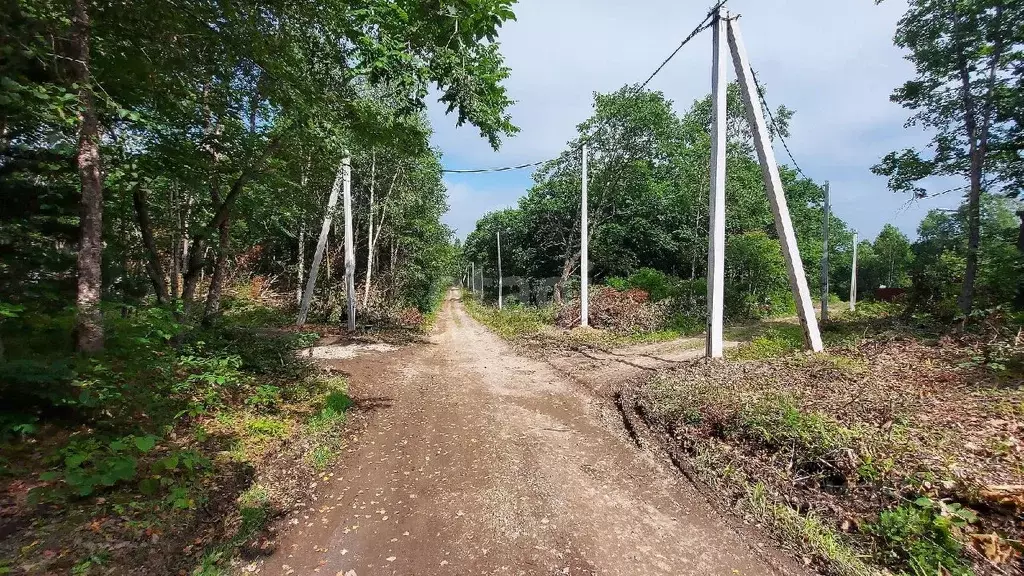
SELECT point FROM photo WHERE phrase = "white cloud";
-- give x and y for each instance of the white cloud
(468, 203)
(834, 63)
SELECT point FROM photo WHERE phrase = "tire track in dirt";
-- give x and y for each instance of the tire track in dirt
(479, 461)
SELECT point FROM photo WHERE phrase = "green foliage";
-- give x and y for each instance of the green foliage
(648, 187)
(266, 398)
(92, 462)
(657, 284)
(776, 421)
(970, 45)
(923, 536)
(756, 282)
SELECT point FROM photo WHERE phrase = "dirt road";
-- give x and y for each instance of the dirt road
(477, 461)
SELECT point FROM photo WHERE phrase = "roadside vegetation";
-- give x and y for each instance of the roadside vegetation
(161, 453)
(901, 442)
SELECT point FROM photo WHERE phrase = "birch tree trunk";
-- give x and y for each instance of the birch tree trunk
(89, 319)
(369, 236)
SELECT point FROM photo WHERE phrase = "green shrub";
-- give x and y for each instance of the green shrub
(658, 285)
(88, 463)
(921, 536)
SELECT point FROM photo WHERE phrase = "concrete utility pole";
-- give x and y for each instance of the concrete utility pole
(853, 276)
(584, 256)
(776, 196)
(716, 198)
(824, 257)
(321, 245)
(472, 281)
(350, 253)
(499, 270)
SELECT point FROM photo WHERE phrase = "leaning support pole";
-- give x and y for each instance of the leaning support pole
(776, 196)
(321, 245)
(716, 198)
(500, 282)
(350, 253)
(584, 241)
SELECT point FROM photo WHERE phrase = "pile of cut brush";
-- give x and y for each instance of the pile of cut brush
(624, 311)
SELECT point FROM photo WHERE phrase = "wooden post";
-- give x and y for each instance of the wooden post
(824, 257)
(716, 197)
(584, 241)
(853, 276)
(350, 253)
(499, 271)
(321, 245)
(776, 195)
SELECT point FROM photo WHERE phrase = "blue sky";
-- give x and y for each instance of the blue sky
(832, 62)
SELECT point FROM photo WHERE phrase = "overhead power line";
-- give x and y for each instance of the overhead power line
(502, 169)
(704, 25)
(778, 131)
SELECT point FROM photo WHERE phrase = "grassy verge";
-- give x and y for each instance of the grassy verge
(894, 451)
(175, 447)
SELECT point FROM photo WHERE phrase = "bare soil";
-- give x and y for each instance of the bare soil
(470, 459)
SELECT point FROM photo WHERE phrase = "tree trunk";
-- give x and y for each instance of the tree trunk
(222, 210)
(978, 138)
(153, 266)
(302, 263)
(567, 269)
(175, 263)
(89, 320)
(1018, 301)
(973, 234)
(219, 271)
(369, 236)
(373, 238)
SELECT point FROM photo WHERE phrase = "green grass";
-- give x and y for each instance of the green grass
(773, 341)
(513, 322)
(776, 421)
(814, 536)
(324, 427)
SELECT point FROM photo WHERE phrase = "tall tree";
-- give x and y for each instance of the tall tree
(89, 322)
(967, 55)
(894, 255)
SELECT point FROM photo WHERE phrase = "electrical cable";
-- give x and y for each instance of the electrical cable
(778, 132)
(704, 25)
